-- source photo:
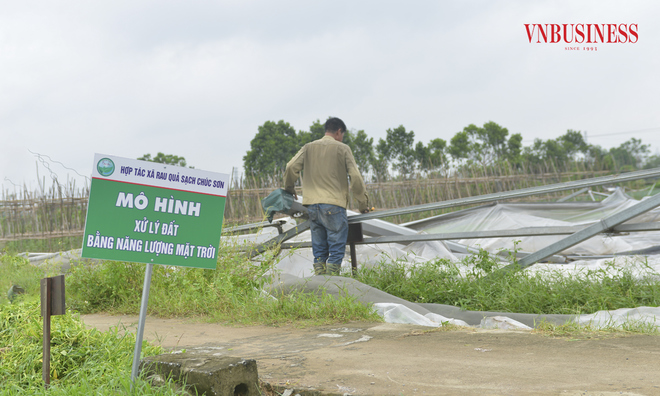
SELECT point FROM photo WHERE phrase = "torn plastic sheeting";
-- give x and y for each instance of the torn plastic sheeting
(397, 313)
(520, 215)
(604, 319)
(502, 323)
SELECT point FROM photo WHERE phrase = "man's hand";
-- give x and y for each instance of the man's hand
(295, 195)
(367, 210)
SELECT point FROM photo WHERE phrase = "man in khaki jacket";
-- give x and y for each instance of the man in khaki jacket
(327, 164)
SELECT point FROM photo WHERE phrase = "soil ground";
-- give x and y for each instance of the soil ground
(395, 359)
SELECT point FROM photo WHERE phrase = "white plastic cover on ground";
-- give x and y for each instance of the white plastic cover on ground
(297, 262)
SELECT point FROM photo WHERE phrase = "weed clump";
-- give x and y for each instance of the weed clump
(83, 361)
(17, 271)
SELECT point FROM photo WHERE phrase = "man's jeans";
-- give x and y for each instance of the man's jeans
(329, 227)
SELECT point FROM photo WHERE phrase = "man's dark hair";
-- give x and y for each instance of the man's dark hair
(334, 124)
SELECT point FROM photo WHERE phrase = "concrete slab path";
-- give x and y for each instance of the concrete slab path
(394, 359)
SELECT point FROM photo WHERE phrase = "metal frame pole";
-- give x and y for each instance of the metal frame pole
(519, 232)
(143, 316)
(575, 194)
(525, 192)
(257, 250)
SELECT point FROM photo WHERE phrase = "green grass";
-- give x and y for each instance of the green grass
(233, 293)
(576, 331)
(16, 270)
(464, 285)
(83, 361)
(87, 361)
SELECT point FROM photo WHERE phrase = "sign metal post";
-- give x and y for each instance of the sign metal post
(141, 321)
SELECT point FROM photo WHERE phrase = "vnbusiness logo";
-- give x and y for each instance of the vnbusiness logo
(582, 33)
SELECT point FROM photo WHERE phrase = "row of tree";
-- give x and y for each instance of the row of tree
(397, 155)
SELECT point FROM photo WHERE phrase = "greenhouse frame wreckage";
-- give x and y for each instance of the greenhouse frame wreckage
(385, 232)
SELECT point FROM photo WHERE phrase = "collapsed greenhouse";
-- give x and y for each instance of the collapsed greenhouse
(566, 237)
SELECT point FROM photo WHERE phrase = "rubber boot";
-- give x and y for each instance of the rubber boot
(319, 269)
(333, 269)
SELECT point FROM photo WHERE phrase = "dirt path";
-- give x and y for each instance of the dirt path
(391, 359)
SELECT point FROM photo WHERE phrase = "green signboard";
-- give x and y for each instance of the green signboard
(154, 213)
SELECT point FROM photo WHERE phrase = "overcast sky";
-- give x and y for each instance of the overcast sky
(197, 78)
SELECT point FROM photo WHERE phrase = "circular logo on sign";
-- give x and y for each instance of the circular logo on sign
(105, 167)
